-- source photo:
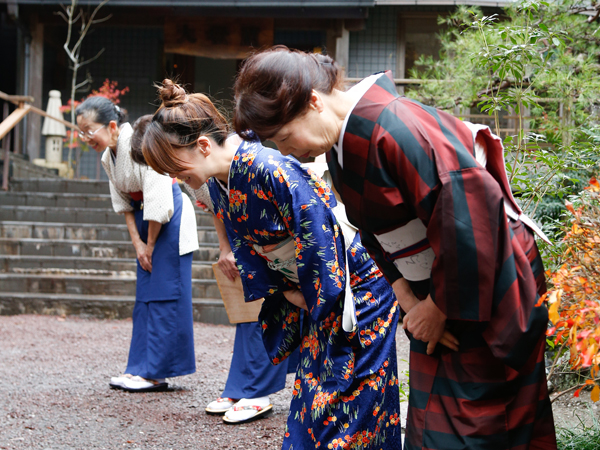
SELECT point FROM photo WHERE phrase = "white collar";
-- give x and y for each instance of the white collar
(359, 89)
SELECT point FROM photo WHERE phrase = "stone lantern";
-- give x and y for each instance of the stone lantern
(55, 132)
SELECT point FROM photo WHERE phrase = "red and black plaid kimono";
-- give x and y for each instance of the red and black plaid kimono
(403, 160)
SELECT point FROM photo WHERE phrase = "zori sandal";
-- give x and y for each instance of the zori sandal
(220, 405)
(119, 382)
(139, 384)
(244, 411)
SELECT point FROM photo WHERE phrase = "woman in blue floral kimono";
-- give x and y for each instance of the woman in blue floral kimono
(289, 248)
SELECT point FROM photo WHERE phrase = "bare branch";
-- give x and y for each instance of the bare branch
(91, 59)
(89, 24)
(560, 394)
(70, 27)
(94, 22)
(558, 353)
(83, 83)
(61, 14)
(68, 52)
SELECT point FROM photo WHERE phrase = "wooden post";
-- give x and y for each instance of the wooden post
(34, 122)
(400, 51)
(342, 47)
(6, 148)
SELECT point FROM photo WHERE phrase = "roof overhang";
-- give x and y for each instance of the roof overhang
(489, 3)
(219, 3)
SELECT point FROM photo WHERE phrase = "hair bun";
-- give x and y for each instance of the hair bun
(171, 94)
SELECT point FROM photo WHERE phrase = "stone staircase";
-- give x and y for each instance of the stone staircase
(63, 250)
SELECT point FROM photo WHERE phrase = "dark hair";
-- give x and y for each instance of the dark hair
(274, 87)
(139, 129)
(101, 110)
(181, 119)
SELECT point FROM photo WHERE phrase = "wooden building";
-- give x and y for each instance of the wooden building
(202, 42)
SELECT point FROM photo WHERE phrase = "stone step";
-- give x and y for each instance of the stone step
(123, 285)
(59, 185)
(97, 306)
(85, 266)
(88, 231)
(75, 215)
(49, 199)
(96, 249)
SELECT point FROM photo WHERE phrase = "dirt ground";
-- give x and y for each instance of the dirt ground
(54, 392)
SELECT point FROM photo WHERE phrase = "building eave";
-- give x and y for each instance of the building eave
(488, 3)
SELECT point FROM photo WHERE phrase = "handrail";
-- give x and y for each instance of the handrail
(16, 99)
(9, 122)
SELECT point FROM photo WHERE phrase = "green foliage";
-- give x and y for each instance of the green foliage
(404, 386)
(540, 63)
(583, 437)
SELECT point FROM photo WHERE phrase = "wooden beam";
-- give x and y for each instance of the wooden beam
(15, 117)
(16, 99)
(41, 112)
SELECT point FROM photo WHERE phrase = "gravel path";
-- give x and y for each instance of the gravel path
(54, 391)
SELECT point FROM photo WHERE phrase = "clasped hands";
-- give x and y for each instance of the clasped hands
(144, 255)
(423, 319)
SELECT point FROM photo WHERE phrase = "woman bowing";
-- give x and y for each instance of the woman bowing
(162, 225)
(430, 196)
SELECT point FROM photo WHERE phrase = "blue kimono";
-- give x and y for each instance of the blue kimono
(251, 373)
(346, 388)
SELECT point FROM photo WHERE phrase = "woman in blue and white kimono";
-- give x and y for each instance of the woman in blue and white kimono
(292, 250)
(162, 225)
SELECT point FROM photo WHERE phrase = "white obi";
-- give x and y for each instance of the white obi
(281, 258)
(408, 248)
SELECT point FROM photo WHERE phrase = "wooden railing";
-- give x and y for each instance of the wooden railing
(509, 123)
(9, 121)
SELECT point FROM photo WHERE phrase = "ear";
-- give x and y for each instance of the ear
(204, 145)
(112, 126)
(316, 102)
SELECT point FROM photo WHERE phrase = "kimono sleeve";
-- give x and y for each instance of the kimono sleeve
(280, 323)
(120, 201)
(201, 196)
(158, 196)
(389, 270)
(458, 201)
(304, 202)
(465, 230)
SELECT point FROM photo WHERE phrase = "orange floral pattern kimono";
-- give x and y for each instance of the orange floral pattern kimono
(346, 389)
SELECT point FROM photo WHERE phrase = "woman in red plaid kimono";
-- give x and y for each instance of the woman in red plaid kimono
(433, 203)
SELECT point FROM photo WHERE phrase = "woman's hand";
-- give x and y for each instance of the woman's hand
(427, 323)
(296, 298)
(404, 294)
(408, 301)
(227, 265)
(144, 255)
